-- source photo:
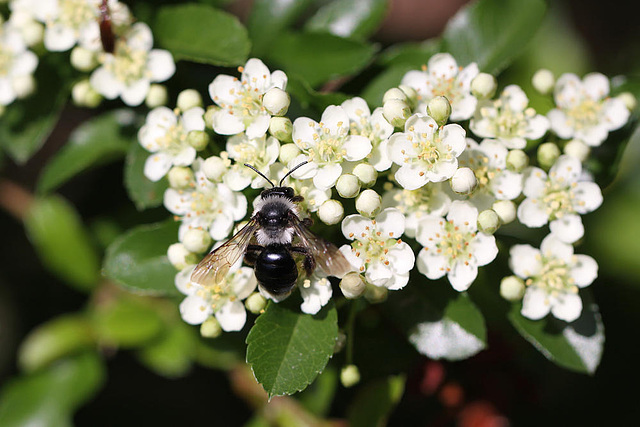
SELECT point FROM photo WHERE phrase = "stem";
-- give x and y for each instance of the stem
(14, 199)
(353, 311)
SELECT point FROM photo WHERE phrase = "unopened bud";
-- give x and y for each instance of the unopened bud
(198, 139)
(276, 101)
(578, 149)
(517, 160)
(32, 31)
(376, 294)
(629, 100)
(439, 109)
(548, 153)
(396, 112)
(543, 81)
(464, 181)
(210, 328)
(180, 177)
(288, 152)
(255, 303)
(196, 240)
(331, 212)
(348, 186)
(157, 96)
(488, 221)
(512, 288)
(214, 168)
(208, 115)
(368, 203)
(412, 95)
(366, 173)
(505, 209)
(83, 59)
(352, 285)
(84, 95)
(281, 128)
(394, 93)
(484, 86)
(188, 99)
(349, 376)
(24, 85)
(180, 257)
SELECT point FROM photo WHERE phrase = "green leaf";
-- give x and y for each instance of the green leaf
(27, 123)
(137, 260)
(440, 323)
(492, 32)
(141, 190)
(201, 33)
(126, 322)
(288, 349)
(349, 18)
(391, 77)
(308, 97)
(411, 53)
(318, 397)
(50, 397)
(94, 142)
(62, 242)
(319, 57)
(171, 355)
(577, 346)
(373, 405)
(269, 18)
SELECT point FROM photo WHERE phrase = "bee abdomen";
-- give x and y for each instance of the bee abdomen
(276, 269)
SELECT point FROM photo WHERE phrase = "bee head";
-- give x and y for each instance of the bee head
(278, 191)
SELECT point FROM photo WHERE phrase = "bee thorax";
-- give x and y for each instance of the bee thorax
(274, 235)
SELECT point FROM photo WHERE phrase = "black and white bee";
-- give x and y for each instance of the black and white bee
(272, 240)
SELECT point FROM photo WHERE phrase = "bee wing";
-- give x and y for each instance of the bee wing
(214, 267)
(327, 255)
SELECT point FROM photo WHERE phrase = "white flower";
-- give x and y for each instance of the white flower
(377, 251)
(313, 197)
(443, 77)
(16, 63)
(509, 120)
(552, 275)
(326, 145)
(210, 206)
(165, 135)
(488, 160)
(584, 110)
(240, 101)
(454, 247)
(260, 152)
(430, 200)
(373, 126)
(316, 292)
(223, 300)
(129, 71)
(424, 152)
(559, 198)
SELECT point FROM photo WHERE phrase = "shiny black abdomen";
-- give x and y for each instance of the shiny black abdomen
(276, 269)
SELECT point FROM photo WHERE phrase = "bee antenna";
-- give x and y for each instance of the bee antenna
(292, 171)
(259, 173)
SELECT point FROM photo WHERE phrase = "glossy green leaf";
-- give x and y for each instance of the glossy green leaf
(492, 32)
(310, 98)
(287, 349)
(201, 33)
(415, 54)
(577, 346)
(375, 402)
(317, 398)
(269, 18)
(349, 18)
(171, 355)
(319, 57)
(62, 242)
(137, 260)
(94, 142)
(141, 190)
(126, 322)
(51, 396)
(391, 77)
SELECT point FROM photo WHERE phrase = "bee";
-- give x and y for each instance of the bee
(271, 240)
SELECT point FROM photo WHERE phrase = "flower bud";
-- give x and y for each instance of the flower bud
(368, 203)
(352, 285)
(288, 152)
(629, 100)
(349, 376)
(32, 31)
(276, 101)
(376, 294)
(366, 174)
(505, 209)
(24, 85)
(84, 95)
(488, 221)
(157, 96)
(517, 160)
(83, 59)
(348, 186)
(394, 93)
(281, 128)
(208, 115)
(512, 288)
(213, 168)
(543, 81)
(464, 181)
(255, 303)
(210, 328)
(578, 149)
(188, 99)
(484, 86)
(396, 112)
(331, 212)
(439, 109)
(2, 110)
(180, 257)
(411, 94)
(196, 240)
(198, 139)
(180, 177)
(548, 153)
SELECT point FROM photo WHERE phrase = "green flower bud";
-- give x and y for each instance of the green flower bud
(543, 81)
(578, 149)
(439, 109)
(276, 101)
(548, 153)
(629, 100)
(368, 203)
(210, 328)
(366, 174)
(288, 152)
(348, 186)
(188, 99)
(464, 181)
(396, 112)
(505, 209)
(331, 212)
(517, 160)
(512, 288)
(84, 95)
(180, 177)
(198, 139)
(83, 59)
(214, 167)
(375, 294)
(349, 376)
(394, 93)
(411, 94)
(255, 303)
(156, 96)
(197, 240)
(208, 115)
(352, 285)
(484, 86)
(180, 257)
(488, 221)
(281, 128)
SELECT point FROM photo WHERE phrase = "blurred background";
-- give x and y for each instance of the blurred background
(510, 383)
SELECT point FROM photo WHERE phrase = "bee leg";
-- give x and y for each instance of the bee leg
(308, 222)
(251, 254)
(309, 262)
(297, 198)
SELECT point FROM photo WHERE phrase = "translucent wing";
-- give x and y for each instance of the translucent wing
(327, 255)
(214, 267)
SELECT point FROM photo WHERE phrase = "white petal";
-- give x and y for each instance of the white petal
(194, 310)
(157, 165)
(443, 170)
(378, 274)
(463, 108)
(567, 307)
(336, 120)
(224, 90)
(551, 246)
(537, 126)
(193, 119)
(566, 170)
(236, 180)
(390, 222)
(183, 281)
(464, 215)
(353, 226)
(443, 66)
(400, 148)
(24, 64)
(588, 197)
(397, 281)
(584, 271)
(305, 132)
(175, 202)
(411, 176)
(355, 261)
(316, 296)
(535, 303)
(134, 94)
(58, 38)
(515, 98)
(307, 171)
(532, 214)
(615, 113)
(559, 123)
(525, 260)
(225, 123)
(232, 316)
(568, 229)
(244, 282)
(462, 275)
(432, 265)
(326, 176)
(258, 126)
(105, 83)
(506, 185)
(596, 85)
(357, 147)
(401, 258)
(256, 74)
(221, 227)
(485, 249)
(534, 182)
(160, 65)
(356, 108)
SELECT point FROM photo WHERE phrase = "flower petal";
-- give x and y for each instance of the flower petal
(232, 316)
(535, 303)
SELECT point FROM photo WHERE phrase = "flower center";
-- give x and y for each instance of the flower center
(585, 114)
(6, 59)
(328, 145)
(128, 65)
(372, 247)
(454, 243)
(428, 146)
(247, 104)
(558, 199)
(77, 13)
(204, 203)
(554, 277)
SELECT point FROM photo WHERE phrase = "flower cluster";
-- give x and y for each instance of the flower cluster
(433, 173)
